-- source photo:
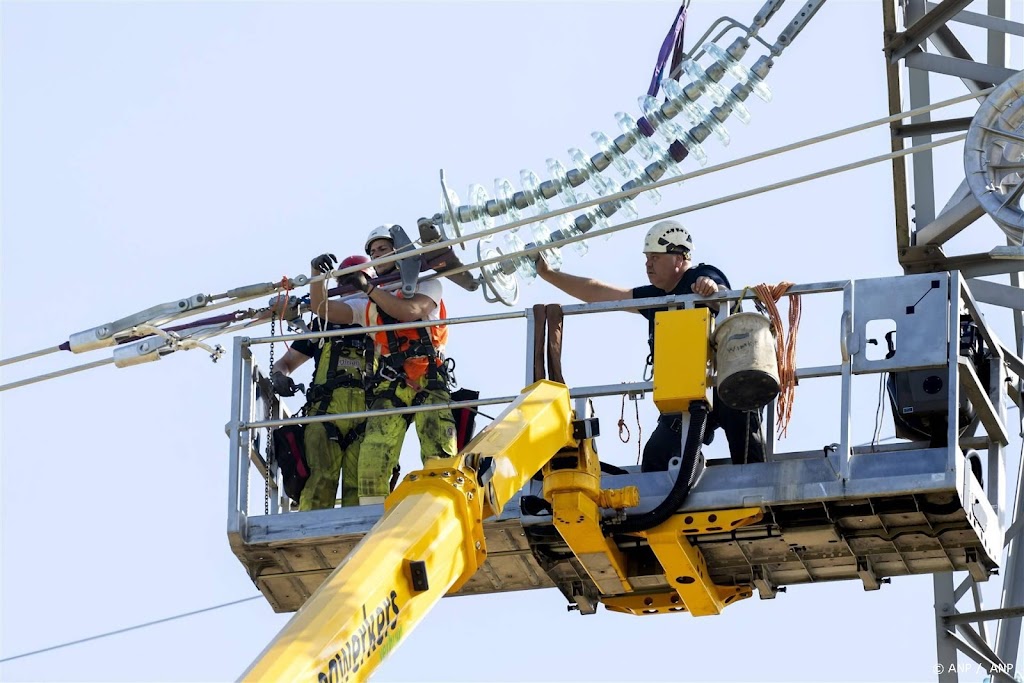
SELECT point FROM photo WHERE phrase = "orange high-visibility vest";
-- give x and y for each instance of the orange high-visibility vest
(414, 367)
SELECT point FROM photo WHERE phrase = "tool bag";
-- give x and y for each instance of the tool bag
(465, 418)
(291, 459)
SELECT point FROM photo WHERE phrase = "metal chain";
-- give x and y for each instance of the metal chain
(270, 416)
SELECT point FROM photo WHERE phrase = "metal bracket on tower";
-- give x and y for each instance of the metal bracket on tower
(797, 24)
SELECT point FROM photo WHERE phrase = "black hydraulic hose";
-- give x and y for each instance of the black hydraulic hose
(680, 489)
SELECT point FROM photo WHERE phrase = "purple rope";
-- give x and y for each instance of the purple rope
(216, 320)
(430, 261)
(672, 47)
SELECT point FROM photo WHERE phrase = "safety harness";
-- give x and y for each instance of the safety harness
(440, 375)
(318, 397)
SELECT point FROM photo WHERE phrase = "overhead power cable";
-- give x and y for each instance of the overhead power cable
(614, 228)
(247, 294)
(129, 628)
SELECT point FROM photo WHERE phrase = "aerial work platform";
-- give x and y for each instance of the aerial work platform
(914, 512)
(838, 513)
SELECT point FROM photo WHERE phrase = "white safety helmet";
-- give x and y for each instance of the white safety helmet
(381, 232)
(668, 237)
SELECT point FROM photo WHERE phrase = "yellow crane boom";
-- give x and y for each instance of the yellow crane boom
(429, 542)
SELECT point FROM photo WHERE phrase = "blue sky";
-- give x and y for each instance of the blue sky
(151, 151)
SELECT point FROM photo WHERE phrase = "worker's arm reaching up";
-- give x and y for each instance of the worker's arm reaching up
(583, 288)
(336, 313)
(418, 307)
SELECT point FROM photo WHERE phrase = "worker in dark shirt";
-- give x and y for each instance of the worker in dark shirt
(340, 364)
(668, 248)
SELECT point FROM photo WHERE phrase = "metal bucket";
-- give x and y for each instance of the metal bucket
(748, 371)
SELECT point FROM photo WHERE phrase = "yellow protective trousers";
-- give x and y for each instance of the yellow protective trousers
(326, 459)
(382, 443)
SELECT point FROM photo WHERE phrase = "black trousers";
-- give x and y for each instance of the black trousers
(742, 430)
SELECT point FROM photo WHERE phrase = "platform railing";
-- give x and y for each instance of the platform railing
(255, 409)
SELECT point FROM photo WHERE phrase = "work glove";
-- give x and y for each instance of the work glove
(324, 263)
(282, 384)
(356, 281)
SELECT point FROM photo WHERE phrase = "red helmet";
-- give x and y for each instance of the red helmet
(355, 260)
